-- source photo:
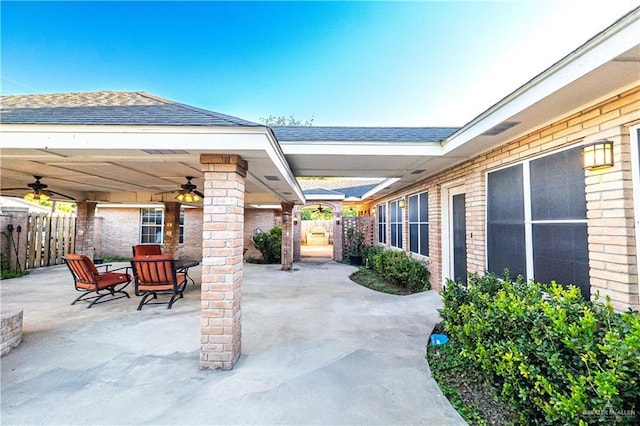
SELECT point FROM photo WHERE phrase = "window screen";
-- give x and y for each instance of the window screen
(557, 187)
(505, 221)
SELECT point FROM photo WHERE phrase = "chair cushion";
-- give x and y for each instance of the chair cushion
(109, 279)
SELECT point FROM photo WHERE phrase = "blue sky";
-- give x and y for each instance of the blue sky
(342, 63)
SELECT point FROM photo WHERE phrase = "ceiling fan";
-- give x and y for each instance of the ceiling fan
(39, 191)
(189, 192)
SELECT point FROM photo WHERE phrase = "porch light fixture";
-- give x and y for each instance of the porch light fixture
(598, 155)
(401, 204)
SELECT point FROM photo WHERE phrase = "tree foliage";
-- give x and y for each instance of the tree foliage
(281, 120)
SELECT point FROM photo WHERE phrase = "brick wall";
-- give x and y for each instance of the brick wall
(120, 230)
(612, 253)
(264, 219)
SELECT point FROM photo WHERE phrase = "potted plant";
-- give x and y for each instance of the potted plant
(355, 245)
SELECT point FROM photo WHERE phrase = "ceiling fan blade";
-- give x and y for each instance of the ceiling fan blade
(198, 193)
(14, 189)
(57, 193)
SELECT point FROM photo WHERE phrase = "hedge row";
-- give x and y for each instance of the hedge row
(398, 268)
(556, 358)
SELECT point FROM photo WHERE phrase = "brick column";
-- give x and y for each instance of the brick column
(222, 246)
(297, 225)
(86, 212)
(171, 228)
(287, 236)
(337, 232)
(610, 209)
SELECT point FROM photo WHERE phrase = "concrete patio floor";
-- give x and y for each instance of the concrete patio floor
(317, 349)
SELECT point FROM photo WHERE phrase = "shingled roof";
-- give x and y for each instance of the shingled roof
(363, 134)
(108, 108)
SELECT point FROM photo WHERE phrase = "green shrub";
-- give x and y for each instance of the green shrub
(398, 268)
(556, 358)
(269, 244)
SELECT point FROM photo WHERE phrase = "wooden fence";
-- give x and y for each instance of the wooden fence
(50, 238)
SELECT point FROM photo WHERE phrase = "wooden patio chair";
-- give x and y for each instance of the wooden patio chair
(146, 249)
(156, 275)
(96, 285)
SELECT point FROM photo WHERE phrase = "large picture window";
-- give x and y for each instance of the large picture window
(382, 223)
(396, 224)
(537, 220)
(419, 224)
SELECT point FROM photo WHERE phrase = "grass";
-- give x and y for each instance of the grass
(7, 274)
(368, 278)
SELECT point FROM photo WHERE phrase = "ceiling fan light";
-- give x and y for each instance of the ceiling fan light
(36, 196)
(188, 197)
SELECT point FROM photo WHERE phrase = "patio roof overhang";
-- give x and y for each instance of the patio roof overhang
(140, 164)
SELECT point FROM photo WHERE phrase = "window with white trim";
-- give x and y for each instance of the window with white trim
(152, 226)
(151, 231)
(419, 223)
(382, 223)
(396, 224)
(537, 220)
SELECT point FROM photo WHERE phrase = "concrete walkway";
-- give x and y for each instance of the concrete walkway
(317, 349)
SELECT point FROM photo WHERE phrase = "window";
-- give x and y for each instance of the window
(382, 223)
(152, 225)
(537, 220)
(396, 224)
(181, 240)
(419, 223)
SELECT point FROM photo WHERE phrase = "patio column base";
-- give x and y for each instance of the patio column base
(222, 250)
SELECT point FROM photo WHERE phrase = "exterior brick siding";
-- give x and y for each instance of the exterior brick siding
(612, 246)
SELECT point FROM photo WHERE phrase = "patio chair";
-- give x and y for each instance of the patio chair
(146, 249)
(96, 285)
(156, 275)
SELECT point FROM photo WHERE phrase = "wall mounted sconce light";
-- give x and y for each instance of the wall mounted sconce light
(401, 204)
(598, 155)
(286, 216)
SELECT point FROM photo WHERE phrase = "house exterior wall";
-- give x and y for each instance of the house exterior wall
(120, 230)
(609, 195)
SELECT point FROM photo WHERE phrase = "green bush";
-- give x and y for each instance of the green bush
(269, 244)
(398, 268)
(556, 358)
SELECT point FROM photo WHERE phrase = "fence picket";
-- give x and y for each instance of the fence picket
(50, 238)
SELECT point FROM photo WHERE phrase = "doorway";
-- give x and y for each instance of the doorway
(454, 234)
(316, 232)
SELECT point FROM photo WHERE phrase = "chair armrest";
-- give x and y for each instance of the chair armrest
(120, 269)
(103, 265)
